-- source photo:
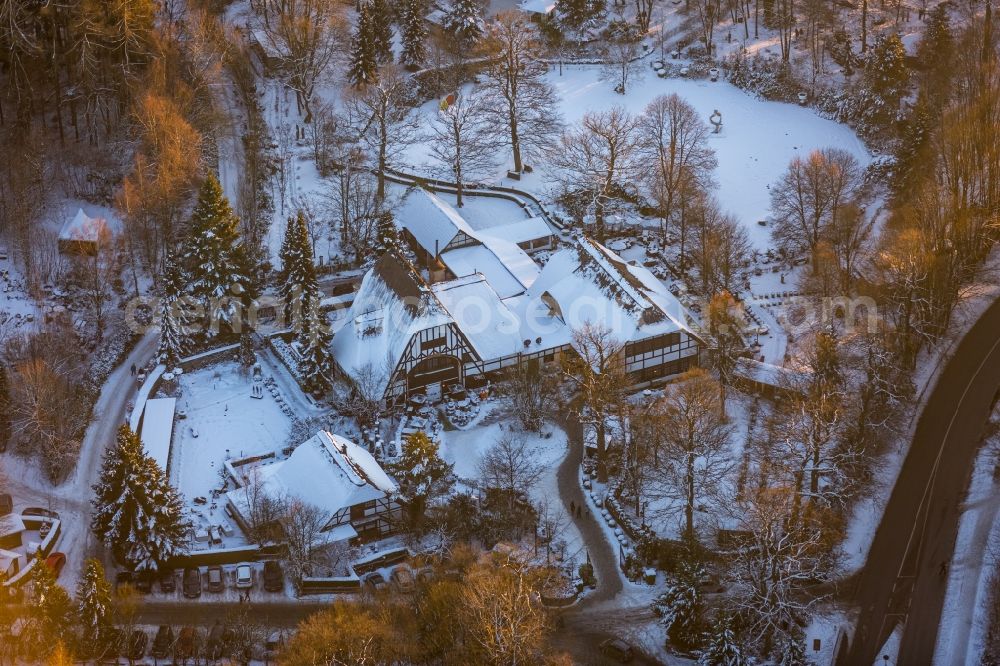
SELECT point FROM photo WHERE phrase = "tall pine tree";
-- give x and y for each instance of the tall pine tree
(173, 321)
(723, 648)
(213, 259)
(363, 69)
(316, 364)
(414, 34)
(137, 513)
(93, 600)
(51, 611)
(387, 240)
(464, 21)
(381, 14)
(297, 284)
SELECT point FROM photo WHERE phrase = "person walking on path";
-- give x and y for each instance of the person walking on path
(572, 508)
(133, 369)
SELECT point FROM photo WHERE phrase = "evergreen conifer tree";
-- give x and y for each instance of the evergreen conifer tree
(414, 34)
(51, 610)
(363, 69)
(381, 14)
(723, 649)
(316, 365)
(213, 259)
(137, 513)
(422, 475)
(794, 653)
(464, 21)
(93, 598)
(297, 288)
(173, 322)
(387, 240)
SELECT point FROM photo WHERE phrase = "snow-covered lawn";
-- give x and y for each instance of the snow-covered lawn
(757, 141)
(222, 420)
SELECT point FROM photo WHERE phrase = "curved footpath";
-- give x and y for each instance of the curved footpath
(902, 579)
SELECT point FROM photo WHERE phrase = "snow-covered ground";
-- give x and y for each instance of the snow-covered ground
(965, 617)
(757, 140)
(221, 421)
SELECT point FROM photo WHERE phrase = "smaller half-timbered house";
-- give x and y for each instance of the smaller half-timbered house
(332, 473)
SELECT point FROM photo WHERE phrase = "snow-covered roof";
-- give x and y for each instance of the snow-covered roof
(83, 228)
(481, 315)
(7, 558)
(11, 524)
(157, 428)
(588, 283)
(327, 471)
(391, 305)
(480, 259)
(538, 6)
(431, 221)
(521, 231)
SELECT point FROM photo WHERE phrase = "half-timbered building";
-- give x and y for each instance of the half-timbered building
(477, 304)
(331, 473)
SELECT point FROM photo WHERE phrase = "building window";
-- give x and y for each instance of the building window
(433, 343)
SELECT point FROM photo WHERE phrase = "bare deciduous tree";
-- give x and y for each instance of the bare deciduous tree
(696, 457)
(510, 465)
(598, 157)
(675, 142)
(309, 34)
(532, 386)
(462, 139)
(521, 99)
(380, 114)
(598, 372)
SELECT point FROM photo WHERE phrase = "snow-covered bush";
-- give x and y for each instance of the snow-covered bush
(763, 77)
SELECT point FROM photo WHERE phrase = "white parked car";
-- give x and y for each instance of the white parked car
(244, 577)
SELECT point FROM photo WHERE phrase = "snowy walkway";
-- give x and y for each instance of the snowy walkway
(602, 556)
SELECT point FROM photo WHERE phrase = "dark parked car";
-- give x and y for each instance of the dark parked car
(375, 581)
(6, 504)
(216, 579)
(192, 582)
(184, 647)
(136, 647)
(274, 579)
(617, 649)
(168, 584)
(163, 642)
(144, 582)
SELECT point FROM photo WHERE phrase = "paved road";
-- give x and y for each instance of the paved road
(902, 579)
(72, 498)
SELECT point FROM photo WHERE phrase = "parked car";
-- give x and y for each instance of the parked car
(123, 578)
(375, 581)
(38, 511)
(274, 579)
(216, 580)
(184, 647)
(163, 642)
(144, 582)
(136, 646)
(192, 582)
(168, 584)
(56, 562)
(6, 504)
(402, 579)
(244, 577)
(617, 649)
